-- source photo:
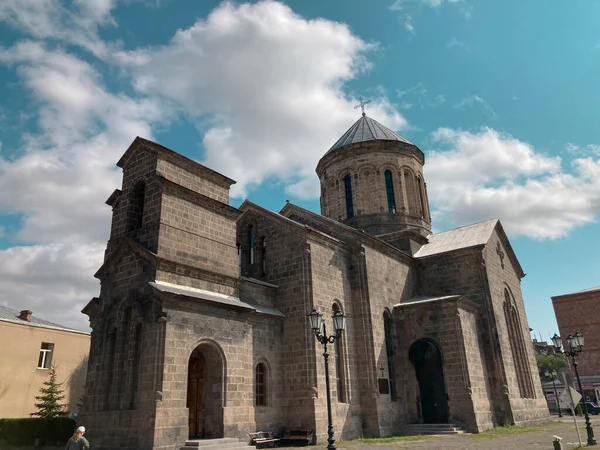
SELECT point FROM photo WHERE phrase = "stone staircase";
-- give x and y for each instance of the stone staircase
(215, 444)
(432, 428)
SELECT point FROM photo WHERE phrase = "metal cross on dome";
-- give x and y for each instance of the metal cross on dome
(362, 104)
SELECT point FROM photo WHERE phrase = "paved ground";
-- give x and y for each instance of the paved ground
(539, 439)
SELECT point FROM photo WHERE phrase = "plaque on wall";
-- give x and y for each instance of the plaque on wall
(384, 386)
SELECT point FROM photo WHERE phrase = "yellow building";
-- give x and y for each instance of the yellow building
(29, 347)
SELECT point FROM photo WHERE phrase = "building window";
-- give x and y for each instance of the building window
(261, 385)
(45, 359)
(389, 351)
(251, 239)
(264, 256)
(340, 379)
(137, 206)
(389, 190)
(517, 347)
(348, 189)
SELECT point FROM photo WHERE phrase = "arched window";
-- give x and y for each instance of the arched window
(389, 351)
(340, 364)
(517, 347)
(264, 256)
(137, 206)
(251, 242)
(389, 190)
(135, 369)
(348, 189)
(122, 356)
(261, 384)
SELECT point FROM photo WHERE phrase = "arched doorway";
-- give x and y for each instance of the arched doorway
(427, 361)
(206, 391)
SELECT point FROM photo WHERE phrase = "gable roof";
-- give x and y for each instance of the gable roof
(367, 129)
(463, 237)
(12, 315)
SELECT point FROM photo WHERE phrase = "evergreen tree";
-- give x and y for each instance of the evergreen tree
(49, 405)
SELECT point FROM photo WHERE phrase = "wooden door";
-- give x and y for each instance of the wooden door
(194, 395)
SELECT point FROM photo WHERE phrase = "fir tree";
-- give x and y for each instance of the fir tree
(49, 405)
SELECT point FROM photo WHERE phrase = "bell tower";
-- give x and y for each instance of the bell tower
(372, 179)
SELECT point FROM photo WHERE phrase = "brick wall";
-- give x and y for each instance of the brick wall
(575, 312)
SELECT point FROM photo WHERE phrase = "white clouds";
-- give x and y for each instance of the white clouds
(453, 42)
(418, 95)
(590, 149)
(76, 22)
(55, 281)
(407, 8)
(487, 174)
(61, 178)
(475, 100)
(270, 83)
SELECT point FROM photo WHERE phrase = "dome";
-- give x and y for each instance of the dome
(367, 129)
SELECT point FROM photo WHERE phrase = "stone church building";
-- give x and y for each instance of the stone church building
(201, 329)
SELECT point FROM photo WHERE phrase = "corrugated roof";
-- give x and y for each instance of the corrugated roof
(367, 129)
(463, 237)
(12, 315)
(215, 297)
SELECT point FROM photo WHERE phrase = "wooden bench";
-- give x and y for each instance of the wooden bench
(297, 436)
(263, 439)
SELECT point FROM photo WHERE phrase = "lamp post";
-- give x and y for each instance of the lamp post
(552, 374)
(575, 343)
(318, 326)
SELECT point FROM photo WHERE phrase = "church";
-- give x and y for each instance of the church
(200, 328)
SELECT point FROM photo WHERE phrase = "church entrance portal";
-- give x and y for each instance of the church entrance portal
(205, 392)
(427, 360)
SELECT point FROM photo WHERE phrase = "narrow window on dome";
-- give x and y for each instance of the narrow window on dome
(389, 189)
(349, 205)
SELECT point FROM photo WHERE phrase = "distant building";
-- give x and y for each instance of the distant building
(580, 311)
(30, 346)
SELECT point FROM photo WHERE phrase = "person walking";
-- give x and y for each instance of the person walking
(77, 441)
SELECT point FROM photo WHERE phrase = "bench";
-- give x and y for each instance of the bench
(297, 436)
(263, 439)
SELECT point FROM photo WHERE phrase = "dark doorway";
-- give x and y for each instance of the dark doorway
(427, 360)
(206, 391)
(195, 394)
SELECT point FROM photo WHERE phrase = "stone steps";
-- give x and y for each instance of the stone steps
(432, 428)
(215, 444)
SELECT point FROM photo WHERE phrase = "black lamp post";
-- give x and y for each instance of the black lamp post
(318, 326)
(575, 343)
(552, 374)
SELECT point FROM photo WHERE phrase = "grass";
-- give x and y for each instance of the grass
(396, 438)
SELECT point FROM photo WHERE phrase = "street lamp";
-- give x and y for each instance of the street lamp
(575, 343)
(318, 326)
(552, 374)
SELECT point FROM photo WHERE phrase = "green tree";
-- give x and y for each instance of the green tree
(49, 405)
(548, 363)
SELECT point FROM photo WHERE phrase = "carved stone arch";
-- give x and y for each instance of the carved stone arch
(516, 338)
(423, 197)
(411, 190)
(214, 345)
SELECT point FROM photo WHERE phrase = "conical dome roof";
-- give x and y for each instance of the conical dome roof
(367, 129)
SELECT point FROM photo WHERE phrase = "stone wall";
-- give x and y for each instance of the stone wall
(502, 274)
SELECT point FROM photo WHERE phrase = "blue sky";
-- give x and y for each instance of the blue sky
(501, 96)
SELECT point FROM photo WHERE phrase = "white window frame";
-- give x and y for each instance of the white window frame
(45, 358)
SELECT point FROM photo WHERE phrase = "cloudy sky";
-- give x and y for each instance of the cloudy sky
(501, 96)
